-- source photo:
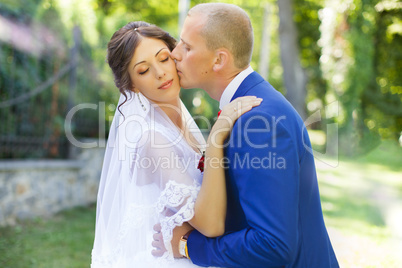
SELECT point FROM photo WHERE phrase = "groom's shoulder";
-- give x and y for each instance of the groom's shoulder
(274, 102)
(262, 88)
(274, 108)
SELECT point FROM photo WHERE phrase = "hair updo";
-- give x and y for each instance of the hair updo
(121, 48)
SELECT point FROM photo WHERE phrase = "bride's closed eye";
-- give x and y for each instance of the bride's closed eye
(161, 57)
(143, 72)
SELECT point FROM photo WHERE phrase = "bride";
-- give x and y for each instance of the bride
(150, 172)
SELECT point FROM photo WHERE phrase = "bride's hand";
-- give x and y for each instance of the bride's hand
(228, 116)
(159, 245)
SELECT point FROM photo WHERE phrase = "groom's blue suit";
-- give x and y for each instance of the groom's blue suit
(274, 216)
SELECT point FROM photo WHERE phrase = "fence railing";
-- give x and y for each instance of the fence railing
(32, 112)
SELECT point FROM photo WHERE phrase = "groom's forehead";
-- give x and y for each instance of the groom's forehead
(191, 33)
(194, 23)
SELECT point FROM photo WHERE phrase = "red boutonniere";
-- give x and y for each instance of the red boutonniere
(201, 162)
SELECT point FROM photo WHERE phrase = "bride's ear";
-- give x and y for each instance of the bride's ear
(135, 90)
(221, 60)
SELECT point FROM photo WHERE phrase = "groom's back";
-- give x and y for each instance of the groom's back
(312, 247)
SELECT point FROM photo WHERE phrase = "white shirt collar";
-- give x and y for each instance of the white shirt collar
(231, 89)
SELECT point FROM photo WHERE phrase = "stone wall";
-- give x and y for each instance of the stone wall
(31, 188)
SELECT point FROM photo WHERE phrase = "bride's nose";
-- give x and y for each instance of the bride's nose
(159, 72)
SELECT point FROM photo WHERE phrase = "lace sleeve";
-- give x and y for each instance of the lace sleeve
(175, 196)
(170, 167)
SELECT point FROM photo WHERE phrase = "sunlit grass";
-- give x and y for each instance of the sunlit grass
(362, 204)
(63, 241)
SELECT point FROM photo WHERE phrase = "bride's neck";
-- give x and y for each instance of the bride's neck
(173, 111)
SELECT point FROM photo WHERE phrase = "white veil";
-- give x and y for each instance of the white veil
(149, 175)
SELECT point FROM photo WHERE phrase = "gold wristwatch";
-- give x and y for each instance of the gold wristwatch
(183, 245)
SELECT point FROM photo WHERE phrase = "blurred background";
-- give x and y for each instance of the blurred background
(338, 62)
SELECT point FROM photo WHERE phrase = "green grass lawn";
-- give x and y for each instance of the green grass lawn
(361, 200)
(65, 240)
(362, 205)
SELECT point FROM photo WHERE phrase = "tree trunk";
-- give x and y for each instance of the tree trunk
(263, 67)
(72, 81)
(55, 129)
(293, 74)
(184, 5)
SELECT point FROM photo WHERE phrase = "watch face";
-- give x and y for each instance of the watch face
(182, 247)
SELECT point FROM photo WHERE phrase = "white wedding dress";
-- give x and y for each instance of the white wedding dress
(149, 176)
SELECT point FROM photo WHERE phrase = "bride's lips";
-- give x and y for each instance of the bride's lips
(166, 85)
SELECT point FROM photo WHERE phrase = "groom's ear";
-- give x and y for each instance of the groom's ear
(221, 59)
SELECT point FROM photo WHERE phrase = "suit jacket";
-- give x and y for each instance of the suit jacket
(274, 216)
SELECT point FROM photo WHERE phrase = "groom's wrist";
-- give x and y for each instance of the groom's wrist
(183, 250)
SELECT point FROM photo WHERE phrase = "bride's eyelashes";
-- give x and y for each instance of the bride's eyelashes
(141, 73)
(164, 60)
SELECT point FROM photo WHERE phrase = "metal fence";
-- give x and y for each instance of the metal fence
(34, 101)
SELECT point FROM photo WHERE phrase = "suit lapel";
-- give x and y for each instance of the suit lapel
(251, 80)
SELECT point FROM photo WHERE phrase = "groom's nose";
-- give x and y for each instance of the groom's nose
(175, 53)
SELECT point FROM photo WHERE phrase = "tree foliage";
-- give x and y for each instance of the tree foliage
(358, 60)
(350, 50)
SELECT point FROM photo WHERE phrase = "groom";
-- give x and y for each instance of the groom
(274, 216)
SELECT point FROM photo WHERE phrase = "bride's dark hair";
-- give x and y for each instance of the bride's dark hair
(121, 48)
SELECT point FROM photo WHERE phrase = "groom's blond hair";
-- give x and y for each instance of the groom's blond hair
(227, 26)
